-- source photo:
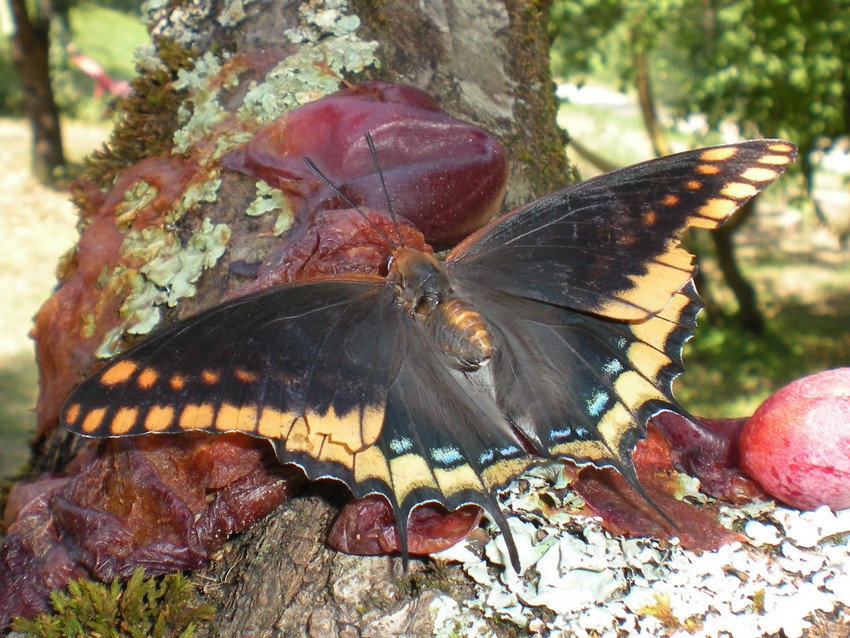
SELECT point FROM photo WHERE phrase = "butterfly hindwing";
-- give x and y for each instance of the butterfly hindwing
(610, 245)
(582, 387)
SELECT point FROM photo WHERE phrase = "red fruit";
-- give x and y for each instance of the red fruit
(797, 444)
(445, 176)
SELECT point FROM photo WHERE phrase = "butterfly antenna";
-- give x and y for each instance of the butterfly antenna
(345, 198)
(377, 164)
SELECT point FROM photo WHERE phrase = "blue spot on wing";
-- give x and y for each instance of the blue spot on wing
(446, 455)
(597, 403)
(613, 367)
(400, 446)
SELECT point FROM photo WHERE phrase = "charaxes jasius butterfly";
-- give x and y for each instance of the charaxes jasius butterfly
(554, 332)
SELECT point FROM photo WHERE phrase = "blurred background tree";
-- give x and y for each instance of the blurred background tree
(67, 57)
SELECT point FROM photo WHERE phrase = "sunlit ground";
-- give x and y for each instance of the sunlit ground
(37, 225)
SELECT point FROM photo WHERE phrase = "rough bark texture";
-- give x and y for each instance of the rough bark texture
(487, 63)
(30, 45)
(483, 62)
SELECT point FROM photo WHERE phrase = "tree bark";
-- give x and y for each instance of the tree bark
(486, 63)
(30, 47)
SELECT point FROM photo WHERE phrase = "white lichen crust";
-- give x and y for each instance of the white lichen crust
(581, 581)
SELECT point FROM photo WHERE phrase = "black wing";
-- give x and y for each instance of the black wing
(591, 296)
(610, 245)
(344, 383)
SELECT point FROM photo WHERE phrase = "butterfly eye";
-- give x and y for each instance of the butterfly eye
(388, 264)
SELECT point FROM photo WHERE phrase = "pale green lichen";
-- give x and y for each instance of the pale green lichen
(175, 269)
(328, 47)
(147, 59)
(270, 199)
(198, 193)
(206, 128)
(282, 224)
(138, 197)
(169, 274)
(201, 83)
(233, 13)
(170, 269)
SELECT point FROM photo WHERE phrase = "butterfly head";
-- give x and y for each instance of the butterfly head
(420, 280)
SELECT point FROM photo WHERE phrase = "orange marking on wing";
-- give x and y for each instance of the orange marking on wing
(92, 420)
(210, 377)
(118, 373)
(147, 378)
(707, 169)
(774, 160)
(757, 174)
(235, 417)
(781, 147)
(718, 154)
(670, 200)
(739, 190)
(72, 413)
(246, 376)
(693, 185)
(123, 421)
(159, 417)
(177, 382)
(197, 416)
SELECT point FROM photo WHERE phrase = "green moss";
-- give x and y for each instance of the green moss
(142, 607)
(147, 119)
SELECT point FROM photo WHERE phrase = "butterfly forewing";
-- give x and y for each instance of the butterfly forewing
(609, 245)
(253, 364)
(332, 372)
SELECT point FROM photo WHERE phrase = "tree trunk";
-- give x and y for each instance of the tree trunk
(749, 315)
(646, 99)
(30, 47)
(483, 62)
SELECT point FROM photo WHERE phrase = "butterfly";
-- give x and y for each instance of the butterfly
(553, 332)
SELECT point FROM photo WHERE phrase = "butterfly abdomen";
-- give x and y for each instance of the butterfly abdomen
(461, 332)
(424, 289)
